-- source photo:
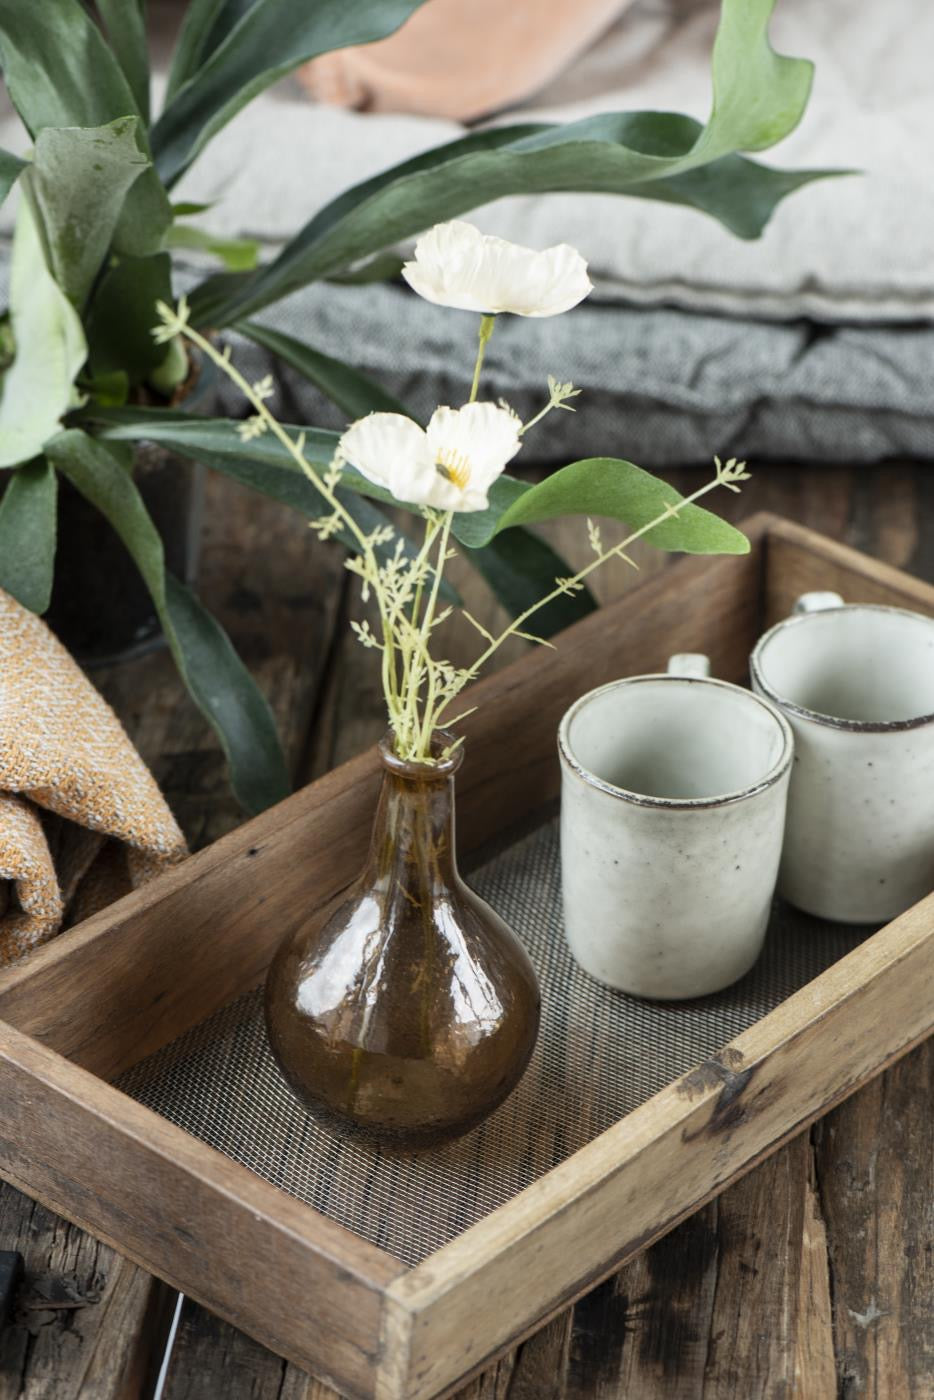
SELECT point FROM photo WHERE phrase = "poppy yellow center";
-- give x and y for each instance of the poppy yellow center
(454, 467)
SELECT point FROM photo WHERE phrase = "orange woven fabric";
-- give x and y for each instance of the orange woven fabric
(81, 817)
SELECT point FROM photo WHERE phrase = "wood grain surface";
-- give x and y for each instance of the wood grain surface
(812, 1277)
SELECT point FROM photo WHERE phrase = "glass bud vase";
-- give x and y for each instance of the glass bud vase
(411, 1012)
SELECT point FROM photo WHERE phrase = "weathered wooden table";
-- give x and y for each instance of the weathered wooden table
(812, 1277)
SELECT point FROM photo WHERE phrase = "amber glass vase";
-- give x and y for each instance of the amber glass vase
(412, 1011)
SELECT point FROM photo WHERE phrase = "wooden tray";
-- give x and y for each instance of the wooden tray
(129, 982)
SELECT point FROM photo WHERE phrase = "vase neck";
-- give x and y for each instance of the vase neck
(413, 831)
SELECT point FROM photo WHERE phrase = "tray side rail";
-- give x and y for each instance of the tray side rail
(501, 1279)
(799, 560)
(283, 1273)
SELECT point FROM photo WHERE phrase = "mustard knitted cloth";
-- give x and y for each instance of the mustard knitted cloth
(81, 817)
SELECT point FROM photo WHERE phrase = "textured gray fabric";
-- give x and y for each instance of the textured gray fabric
(662, 387)
(599, 1055)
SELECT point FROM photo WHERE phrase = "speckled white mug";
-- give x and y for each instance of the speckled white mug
(856, 683)
(672, 811)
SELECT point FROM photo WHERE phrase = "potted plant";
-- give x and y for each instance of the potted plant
(411, 1010)
(84, 383)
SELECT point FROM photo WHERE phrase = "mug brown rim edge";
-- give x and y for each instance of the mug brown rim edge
(686, 804)
(849, 726)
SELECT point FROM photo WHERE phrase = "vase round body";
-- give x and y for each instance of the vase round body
(410, 1012)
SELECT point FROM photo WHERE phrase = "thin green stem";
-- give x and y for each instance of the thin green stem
(431, 531)
(410, 654)
(486, 330)
(538, 417)
(423, 730)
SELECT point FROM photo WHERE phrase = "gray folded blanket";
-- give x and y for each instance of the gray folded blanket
(661, 386)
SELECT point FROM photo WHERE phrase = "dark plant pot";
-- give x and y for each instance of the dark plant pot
(101, 609)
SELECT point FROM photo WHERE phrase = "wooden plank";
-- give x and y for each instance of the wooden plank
(190, 1215)
(645, 1332)
(875, 1186)
(211, 1358)
(166, 956)
(711, 1309)
(812, 1051)
(754, 1322)
(798, 560)
(88, 1324)
(815, 1370)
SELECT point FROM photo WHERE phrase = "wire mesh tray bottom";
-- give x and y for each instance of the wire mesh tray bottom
(600, 1054)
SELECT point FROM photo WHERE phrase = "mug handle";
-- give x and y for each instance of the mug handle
(817, 602)
(689, 663)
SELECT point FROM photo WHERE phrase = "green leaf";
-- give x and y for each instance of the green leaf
(210, 439)
(270, 40)
(145, 218)
(58, 68)
(229, 699)
(210, 297)
(238, 254)
(739, 193)
(191, 47)
(384, 267)
(261, 464)
(110, 389)
(38, 388)
(10, 167)
(187, 208)
(123, 312)
(610, 488)
(60, 72)
(758, 95)
(352, 391)
(125, 21)
(214, 301)
(758, 98)
(79, 180)
(592, 157)
(217, 680)
(27, 534)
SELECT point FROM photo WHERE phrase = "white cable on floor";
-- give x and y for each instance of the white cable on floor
(169, 1348)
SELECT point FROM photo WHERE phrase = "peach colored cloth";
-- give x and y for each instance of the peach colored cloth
(462, 60)
(81, 818)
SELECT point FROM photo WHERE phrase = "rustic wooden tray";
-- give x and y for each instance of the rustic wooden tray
(159, 964)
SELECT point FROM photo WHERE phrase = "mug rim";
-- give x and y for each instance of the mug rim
(643, 799)
(852, 726)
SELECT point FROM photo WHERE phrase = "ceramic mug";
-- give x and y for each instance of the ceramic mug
(856, 683)
(672, 811)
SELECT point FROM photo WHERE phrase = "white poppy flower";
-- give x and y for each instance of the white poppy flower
(456, 265)
(391, 451)
(450, 467)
